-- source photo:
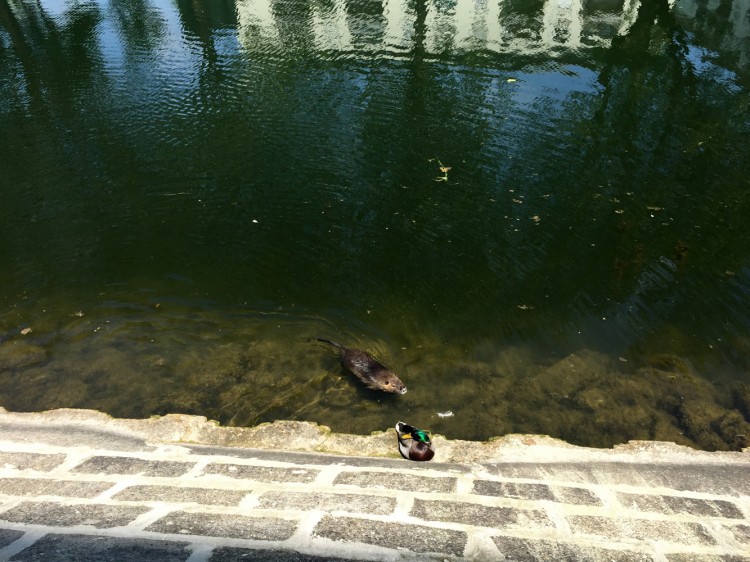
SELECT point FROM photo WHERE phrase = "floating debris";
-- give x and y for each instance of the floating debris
(26, 331)
(443, 168)
(447, 414)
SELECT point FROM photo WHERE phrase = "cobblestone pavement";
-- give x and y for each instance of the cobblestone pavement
(80, 489)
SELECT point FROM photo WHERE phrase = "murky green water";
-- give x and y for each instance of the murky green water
(535, 211)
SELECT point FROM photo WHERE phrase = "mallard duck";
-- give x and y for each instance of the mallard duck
(414, 444)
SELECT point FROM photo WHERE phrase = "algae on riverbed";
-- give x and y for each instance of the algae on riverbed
(585, 398)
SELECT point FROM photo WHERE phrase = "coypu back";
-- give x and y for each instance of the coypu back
(369, 370)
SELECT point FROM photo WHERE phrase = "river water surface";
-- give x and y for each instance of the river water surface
(535, 211)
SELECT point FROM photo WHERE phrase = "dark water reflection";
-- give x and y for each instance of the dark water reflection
(190, 189)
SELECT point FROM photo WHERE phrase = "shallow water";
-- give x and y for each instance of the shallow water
(190, 190)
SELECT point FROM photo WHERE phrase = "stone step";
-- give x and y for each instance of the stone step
(125, 494)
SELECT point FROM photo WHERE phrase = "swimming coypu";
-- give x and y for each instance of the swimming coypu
(369, 370)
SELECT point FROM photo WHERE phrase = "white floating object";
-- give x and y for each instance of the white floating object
(447, 414)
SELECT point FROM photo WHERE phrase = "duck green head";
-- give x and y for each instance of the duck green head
(421, 436)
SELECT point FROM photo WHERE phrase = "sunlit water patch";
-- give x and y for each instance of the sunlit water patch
(534, 211)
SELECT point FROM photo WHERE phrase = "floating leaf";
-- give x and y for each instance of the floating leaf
(443, 168)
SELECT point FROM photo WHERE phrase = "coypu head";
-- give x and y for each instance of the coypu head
(387, 381)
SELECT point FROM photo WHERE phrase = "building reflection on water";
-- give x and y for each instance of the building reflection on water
(458, 26)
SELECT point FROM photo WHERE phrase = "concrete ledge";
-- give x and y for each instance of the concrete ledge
(69, 426)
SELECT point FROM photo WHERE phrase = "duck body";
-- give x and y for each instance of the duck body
(369, 370)
(414, 444)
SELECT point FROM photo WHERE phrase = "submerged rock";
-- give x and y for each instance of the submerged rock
(741, 397)
(16, 355)
(713, 427)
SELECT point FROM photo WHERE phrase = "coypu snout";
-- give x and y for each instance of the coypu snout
(392, 384)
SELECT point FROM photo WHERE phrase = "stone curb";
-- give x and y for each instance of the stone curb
(73, 424)
(78, 485)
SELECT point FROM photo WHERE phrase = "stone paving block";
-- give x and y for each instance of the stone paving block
(56, 515)
(70, 434)
(741, 533)
(536, 492)
(480, 515)
(8, 536)
(85, 548)
(352, 503)
(532, 550)
(690, 557)
(307, 458)
(230, 554)
(396, 481)
(682, 505)
(30, 461)
(730, 480)
(262, 473)
(221, 525)
(43, 487)
(641, 529)
(128, 465)
(181, 494)
(321, 459)
(575, 496)
(416, 538)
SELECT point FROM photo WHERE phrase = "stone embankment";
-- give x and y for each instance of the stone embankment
(78, 485)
